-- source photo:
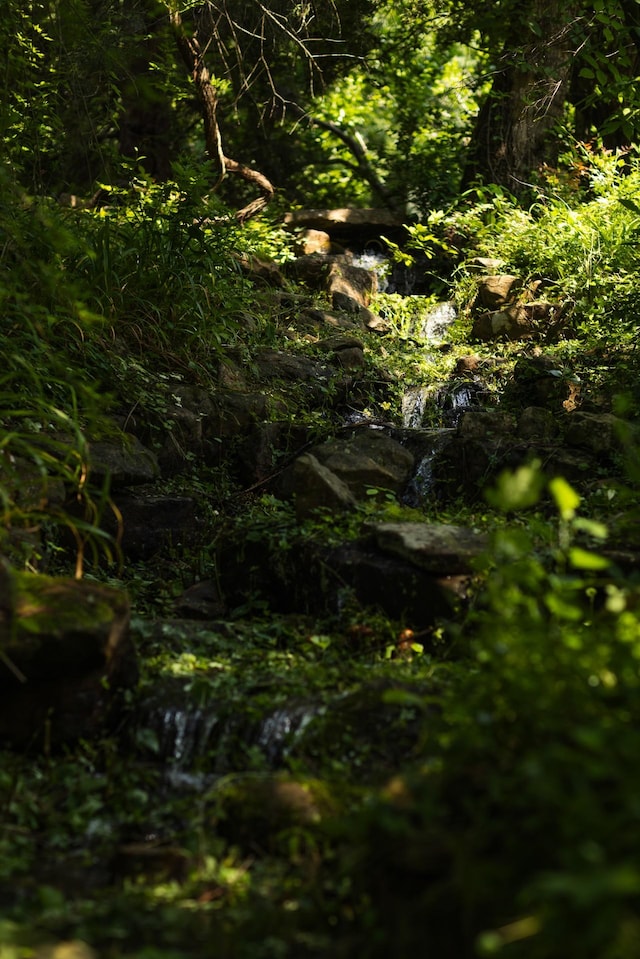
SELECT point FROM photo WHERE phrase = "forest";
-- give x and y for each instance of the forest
(319, 479)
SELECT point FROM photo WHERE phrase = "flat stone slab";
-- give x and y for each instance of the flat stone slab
(328, 220)
(436, 547)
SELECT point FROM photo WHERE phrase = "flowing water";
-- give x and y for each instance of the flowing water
(422, 483)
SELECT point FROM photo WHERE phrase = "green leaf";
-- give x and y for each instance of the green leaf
(517, 489)
(629, 204)
(565, 497)
(585, 559)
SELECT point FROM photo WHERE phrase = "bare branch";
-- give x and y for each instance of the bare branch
(192, 55)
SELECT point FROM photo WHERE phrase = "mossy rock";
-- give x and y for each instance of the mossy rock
(256, 811)
(65, 654)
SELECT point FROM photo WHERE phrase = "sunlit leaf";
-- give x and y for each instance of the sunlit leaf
(584, 559)
(517, 489)
(565, 497)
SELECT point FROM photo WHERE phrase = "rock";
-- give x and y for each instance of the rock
(350, 287)
(260, 455)
(311, 269)
(375, 323)
(496, 290)
(24, 483)
(324, 318)
(539, 381)
(348, 351)
(234, 414)
(278, 365)
(124, 461)
(152, 521)
(600, 433)
(260, 270)
(201, 601)
(436, 547)
(483, 425)
(252, 810)
(468, 364)
(68, 657)
(483, 264)
(316, 487)
(537, 423)
(349, 224)
(314, 241)
(387, 582)
(368, 458)
(516, 321)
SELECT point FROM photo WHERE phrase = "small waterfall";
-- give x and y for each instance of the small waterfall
(455, 398)
(421, 485)
(279, 730)
(376, 262)
(414, 404)
(435, 325)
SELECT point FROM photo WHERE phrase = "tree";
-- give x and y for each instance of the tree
(561, 70)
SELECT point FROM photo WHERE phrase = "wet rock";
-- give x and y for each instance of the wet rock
(315, 486)
(456, 398)
(65, 661)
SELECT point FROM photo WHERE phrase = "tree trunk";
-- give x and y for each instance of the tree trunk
(513, 138)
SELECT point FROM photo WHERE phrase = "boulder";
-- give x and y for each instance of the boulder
(125, 461)
(314, 241)
(367, 458)
(495, 291)
(537, 423)
(439, 548)
(318, 318)
(316, 487)
(599, 433)
(151, 521)
(350, 287)
(347, 351)
(261, 271)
